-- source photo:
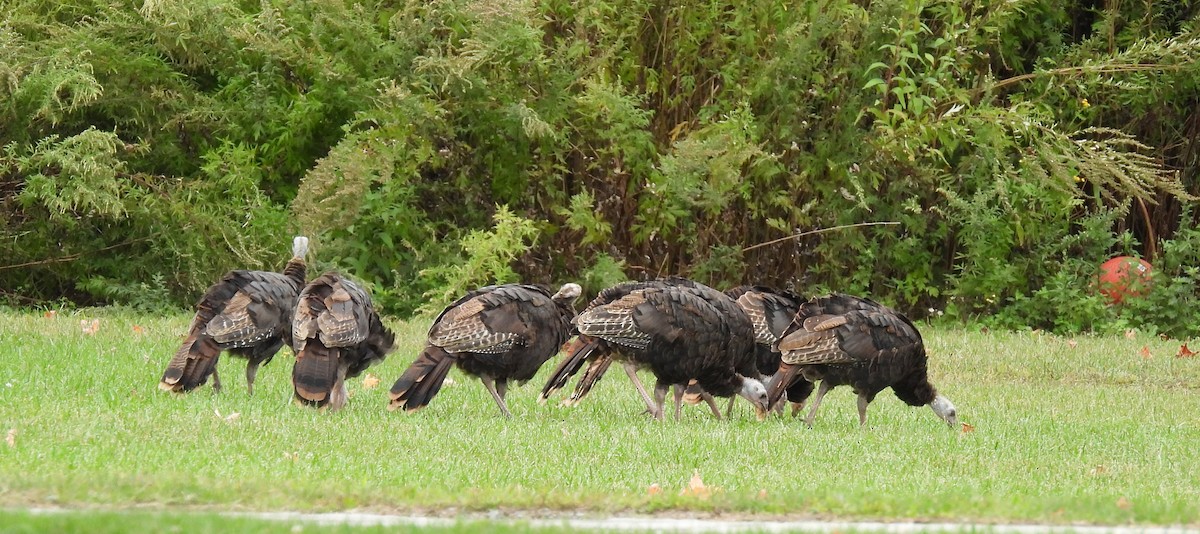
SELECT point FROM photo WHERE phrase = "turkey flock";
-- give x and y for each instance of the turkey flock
(769, 347)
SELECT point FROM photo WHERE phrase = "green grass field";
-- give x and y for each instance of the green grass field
(1090, 429)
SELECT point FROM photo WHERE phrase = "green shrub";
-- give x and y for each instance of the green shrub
(149, 147)
(1171, 305)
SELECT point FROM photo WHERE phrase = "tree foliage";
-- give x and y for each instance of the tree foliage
(428, 146)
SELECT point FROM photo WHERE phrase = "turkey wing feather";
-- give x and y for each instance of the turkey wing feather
(615, 322)
(255, 312)
(494, 322)
(343, 323)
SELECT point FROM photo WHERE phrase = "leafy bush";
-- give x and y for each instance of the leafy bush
(1171, 306)
(147, 148)
(489, 258)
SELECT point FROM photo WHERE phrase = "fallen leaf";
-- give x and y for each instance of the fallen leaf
(1130, 334)
(762, 493)
(1185, 352)
(228, 418)
(370, 381)
(1072, 343)
(654, 489)
(1145, 352)
(1124, 503)
(696, 487)
(291, 455)
(1098, 470)
(89, 327)
(967, 427)
(11, 439)
(52, 314)
(137, 329)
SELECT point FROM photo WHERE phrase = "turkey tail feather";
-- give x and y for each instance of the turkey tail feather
(315, 373)
(578, 352)
(422, 380)
(593, 374)
(192, 364)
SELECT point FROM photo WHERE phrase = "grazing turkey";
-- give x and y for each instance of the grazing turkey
(679, 334)
(497, 333)
(248, 313)
(771, 312)
(600, 357)
(336, 335)
(845, 340)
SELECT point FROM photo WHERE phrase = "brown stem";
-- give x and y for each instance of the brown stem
(1151, 241)
(71, 257)
(817, 231)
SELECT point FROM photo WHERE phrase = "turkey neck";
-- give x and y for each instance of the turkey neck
(295, 271)
(721, 385)
(566, 311)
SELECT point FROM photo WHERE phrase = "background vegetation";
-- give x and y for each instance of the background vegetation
(429, 146)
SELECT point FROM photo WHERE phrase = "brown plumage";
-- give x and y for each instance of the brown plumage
(248, 313)
(845, 340)
(336, 335)
(497, 333)
(680, 334)
(771, 312)
(599, 356)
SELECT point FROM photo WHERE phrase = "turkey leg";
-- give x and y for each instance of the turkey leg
(497, 394)
(812, 412)
(660, 397)
(631, 370)
(863, 401)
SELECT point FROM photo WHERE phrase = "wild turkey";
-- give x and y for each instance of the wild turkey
(497, 333)
(248, 313)
(337, 335)
(679, 334)
(845, 340)
(771, 312)
(600, 356)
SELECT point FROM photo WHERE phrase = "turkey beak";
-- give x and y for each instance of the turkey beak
(783, 378)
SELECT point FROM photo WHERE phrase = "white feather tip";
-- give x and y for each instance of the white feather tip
(299, 246)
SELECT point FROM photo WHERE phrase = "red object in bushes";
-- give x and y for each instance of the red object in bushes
(1124, 276)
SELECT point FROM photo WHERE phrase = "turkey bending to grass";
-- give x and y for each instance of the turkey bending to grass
(679, 334)
(599, 356)
(248, 313)
(844, 340)
(497, 333)
(336, 335)
(771, 312)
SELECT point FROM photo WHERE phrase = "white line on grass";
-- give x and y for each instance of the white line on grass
(668, 524)
(665, 524)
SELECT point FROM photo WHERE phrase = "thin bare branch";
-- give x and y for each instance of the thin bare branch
(72, 257)
(818, 231)
(1084, 70)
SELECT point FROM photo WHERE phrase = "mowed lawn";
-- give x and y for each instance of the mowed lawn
(1086, 429)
